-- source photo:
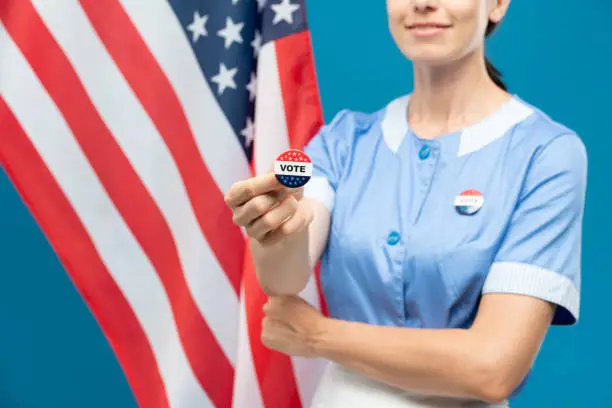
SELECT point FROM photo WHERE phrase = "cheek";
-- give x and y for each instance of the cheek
(471, 35)
(394, 5)
(470, 16)
(463, 8)
(396, 10)
(396, 27)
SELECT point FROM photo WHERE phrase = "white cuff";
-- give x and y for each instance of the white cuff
(318, 188)
(531, 280)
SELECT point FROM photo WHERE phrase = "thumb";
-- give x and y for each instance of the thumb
(297, 192)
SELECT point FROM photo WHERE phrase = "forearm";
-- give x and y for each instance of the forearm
(445, 362)
(283, 268)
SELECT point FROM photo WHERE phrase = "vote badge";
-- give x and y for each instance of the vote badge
(469, 202)
(293, 168)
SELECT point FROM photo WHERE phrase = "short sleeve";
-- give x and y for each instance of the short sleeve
(328, 150)
(540, 253)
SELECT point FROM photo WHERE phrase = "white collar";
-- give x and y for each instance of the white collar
(395, 125)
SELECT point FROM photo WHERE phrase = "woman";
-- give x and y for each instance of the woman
(448, 226)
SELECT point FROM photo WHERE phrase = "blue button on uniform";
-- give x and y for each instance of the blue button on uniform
(424, 152)
(393, 238)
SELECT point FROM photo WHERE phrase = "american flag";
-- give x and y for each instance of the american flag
(122, 125)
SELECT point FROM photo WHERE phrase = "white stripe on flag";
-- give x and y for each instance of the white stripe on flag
(308, 371)
(271, 136)
(145, 149)
(246, 386)
(117, 247)
(214, 135)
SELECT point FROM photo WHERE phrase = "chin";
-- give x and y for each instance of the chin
(431, 57)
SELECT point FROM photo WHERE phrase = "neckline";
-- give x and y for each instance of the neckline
(395, 126)
(492, 116)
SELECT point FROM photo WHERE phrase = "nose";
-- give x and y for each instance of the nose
(424, 5)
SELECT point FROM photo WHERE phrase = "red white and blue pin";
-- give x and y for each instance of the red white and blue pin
(293, 168)
(469, 202)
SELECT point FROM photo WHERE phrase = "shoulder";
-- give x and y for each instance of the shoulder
(541, 136)
(554, 152)
(349, 127)
(348, 123)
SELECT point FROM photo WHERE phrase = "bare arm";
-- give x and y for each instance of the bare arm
(285, 267)
(486, 362)
(288, 232)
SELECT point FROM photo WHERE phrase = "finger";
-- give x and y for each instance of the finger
(271, 327)
(297, 223)
(270, 305)
(244, 190)
(267, 307)
(276, 306)
(258, 206)
(298, 193)
(265, 323)
(273, 218)
(273, 324)
(267, 333)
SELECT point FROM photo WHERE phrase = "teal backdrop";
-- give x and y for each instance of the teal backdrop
(556, 54)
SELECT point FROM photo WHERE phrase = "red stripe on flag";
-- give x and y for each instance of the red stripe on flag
(155, 92)
(274, 370)
(299, 88)
(129, 195)
(301, 99)
(70, 240)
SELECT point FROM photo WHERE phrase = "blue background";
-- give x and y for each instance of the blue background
(554, 54)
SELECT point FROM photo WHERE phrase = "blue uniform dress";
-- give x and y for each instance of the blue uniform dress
(400, 253)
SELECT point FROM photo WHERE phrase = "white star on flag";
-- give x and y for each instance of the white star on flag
(248, 132)
(225, 78)
(198, 26)
(231, 32)
(256, 43)
(252, 87)
(260, 5)
(284, 11)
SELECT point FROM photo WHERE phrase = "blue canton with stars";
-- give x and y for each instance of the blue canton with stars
(293, 181)
(226, 36)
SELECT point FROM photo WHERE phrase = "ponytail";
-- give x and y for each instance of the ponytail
(493, 72)
(495, 75)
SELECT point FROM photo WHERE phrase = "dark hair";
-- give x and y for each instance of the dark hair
(493, 72)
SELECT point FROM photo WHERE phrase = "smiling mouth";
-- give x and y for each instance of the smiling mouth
(427, 29)
(418, 26)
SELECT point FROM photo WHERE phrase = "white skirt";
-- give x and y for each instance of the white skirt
(341, 388)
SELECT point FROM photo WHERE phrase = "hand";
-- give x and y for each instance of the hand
(269, 211)
(292, 326)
